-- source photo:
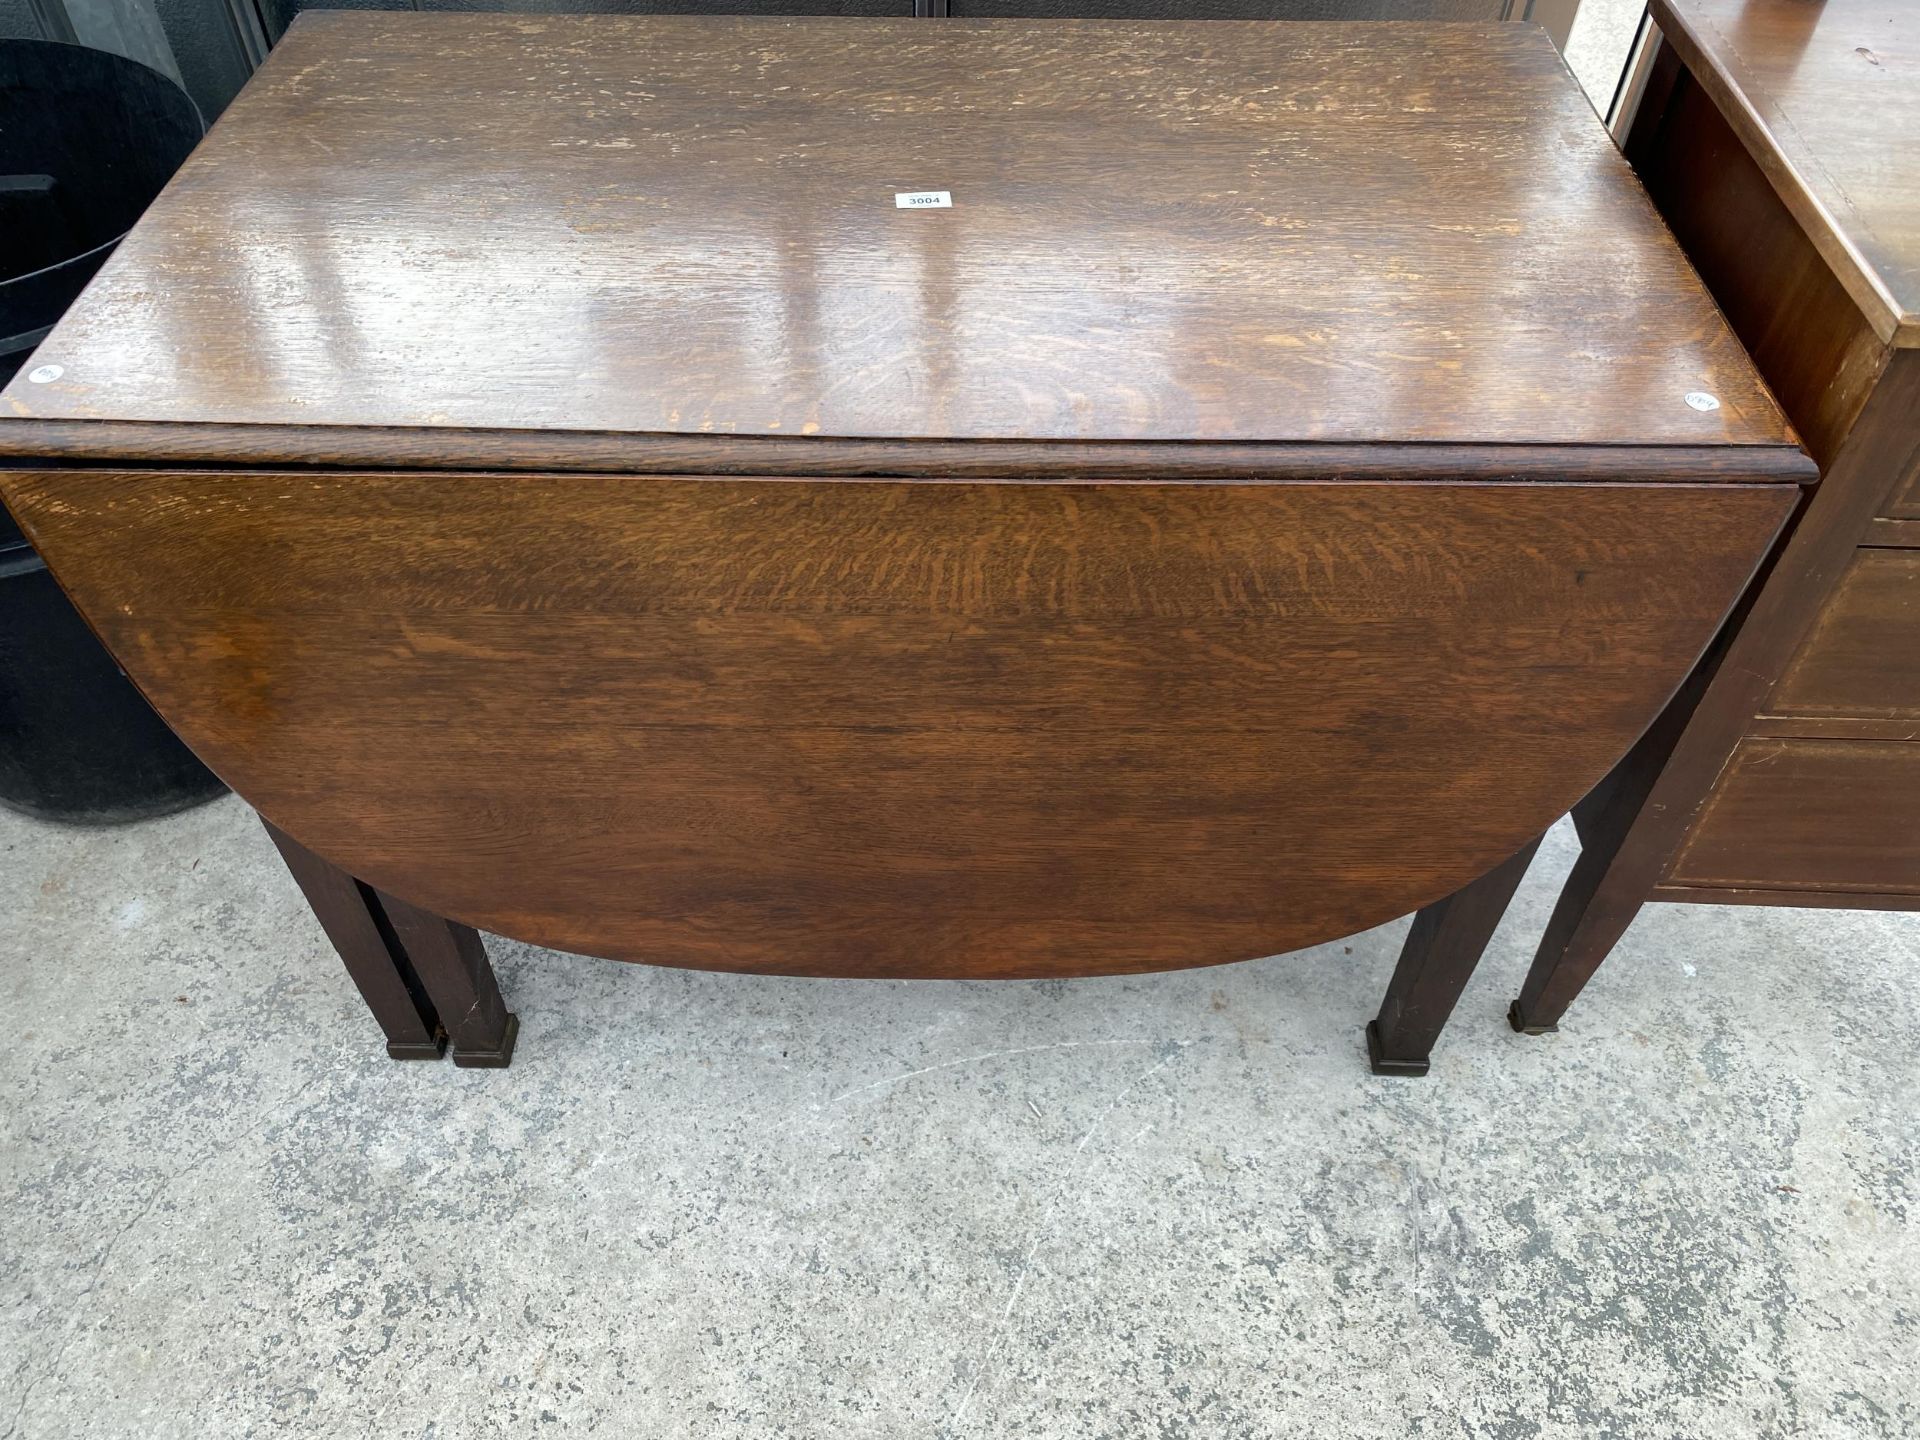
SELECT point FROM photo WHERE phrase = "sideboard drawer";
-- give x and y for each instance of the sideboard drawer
(1905, 504)
(1861, 656)
(1832, 815)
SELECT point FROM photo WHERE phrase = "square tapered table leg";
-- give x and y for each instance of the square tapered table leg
(351, 914)
(1441, 951)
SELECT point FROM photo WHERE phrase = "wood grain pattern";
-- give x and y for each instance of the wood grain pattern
(1219, 231)
(1841, 816)
(1886, 530)
(1862, 656)
(894, 728)
(1905, 504)
(1826, 97)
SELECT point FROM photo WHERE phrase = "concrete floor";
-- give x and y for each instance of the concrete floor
(704, 1205)
(1597, 46)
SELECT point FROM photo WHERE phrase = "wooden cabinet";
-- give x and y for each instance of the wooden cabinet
(1861, 656)
(1781, 141)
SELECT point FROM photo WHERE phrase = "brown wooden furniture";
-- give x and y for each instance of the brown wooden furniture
(540, 465)
(1781, 141)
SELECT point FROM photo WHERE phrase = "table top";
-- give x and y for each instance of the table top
(682, 226)
(1825, 94)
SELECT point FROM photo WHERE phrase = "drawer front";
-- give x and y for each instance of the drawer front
(1905, 504)
(1861, 656)
(1834, 815)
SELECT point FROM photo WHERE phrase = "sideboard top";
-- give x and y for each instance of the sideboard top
(1825, 94)
(1227, 232)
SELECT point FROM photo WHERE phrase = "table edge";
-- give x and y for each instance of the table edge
(145, 443)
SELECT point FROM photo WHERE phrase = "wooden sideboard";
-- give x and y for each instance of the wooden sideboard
(547, 467)
(1781, 141)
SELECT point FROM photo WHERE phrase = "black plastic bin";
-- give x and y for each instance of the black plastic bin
(77, 742)
(87, 139)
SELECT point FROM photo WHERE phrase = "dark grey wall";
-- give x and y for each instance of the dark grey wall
(17, 21)
(192, 41)
(280, 13)
(1235, 9)
(213, 64)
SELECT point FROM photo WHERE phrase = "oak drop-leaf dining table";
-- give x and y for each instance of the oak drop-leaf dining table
(557, 471)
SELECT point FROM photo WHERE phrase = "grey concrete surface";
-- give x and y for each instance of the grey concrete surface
(1597, 47)
(1165, 1206)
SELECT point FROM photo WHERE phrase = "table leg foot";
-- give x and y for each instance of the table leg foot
(422, 1050)
(453, 966)
(495, 1055)
(1520, 1022)
(1442, 948)
(1384, 1064)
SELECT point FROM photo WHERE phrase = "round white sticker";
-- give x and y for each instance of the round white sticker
(45, 374)
(1700, 400)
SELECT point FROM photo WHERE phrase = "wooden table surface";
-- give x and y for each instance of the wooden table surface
(1159, 232)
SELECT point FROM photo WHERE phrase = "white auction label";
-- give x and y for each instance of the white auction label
(923, 200)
